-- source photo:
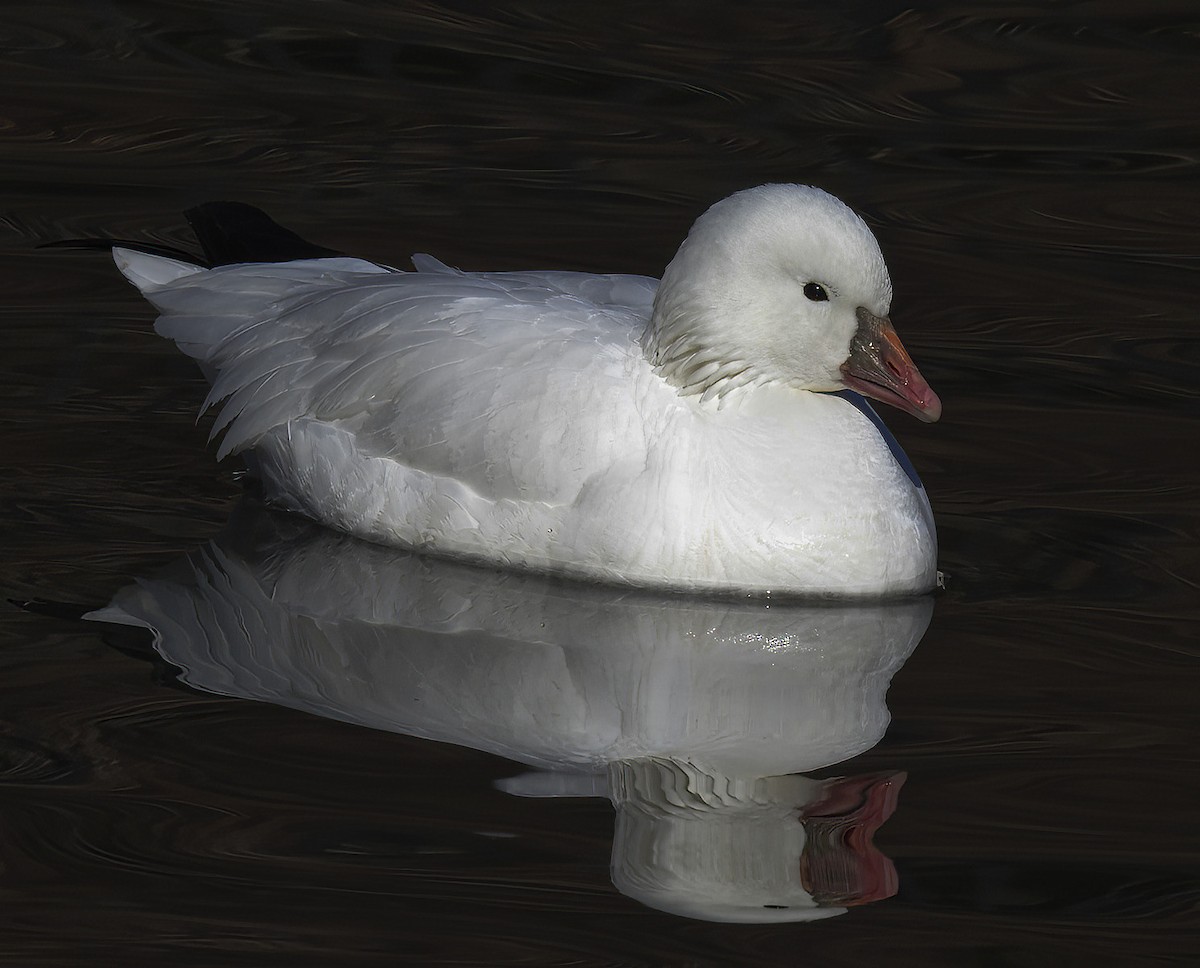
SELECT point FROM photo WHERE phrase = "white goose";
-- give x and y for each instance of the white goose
(695, 433)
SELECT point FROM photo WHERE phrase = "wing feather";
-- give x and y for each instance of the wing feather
(472, 375)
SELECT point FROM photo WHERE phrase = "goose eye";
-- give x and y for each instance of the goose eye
(816, 292)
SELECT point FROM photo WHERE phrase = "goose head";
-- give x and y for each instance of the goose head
(782, 284)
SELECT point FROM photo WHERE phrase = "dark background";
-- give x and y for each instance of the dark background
(1030, 171)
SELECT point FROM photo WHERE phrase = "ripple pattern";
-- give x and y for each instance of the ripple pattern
(1031, 173)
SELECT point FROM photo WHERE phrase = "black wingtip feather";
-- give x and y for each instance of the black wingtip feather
(230, 233)
(233, 232)
(150, 248)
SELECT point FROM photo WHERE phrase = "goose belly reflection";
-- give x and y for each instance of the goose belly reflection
(692, 715)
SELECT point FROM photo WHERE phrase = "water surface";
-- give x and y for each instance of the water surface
(1031, 175)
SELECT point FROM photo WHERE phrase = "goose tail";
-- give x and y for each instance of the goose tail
(151, 272)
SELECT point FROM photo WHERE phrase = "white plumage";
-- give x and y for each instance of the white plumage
(595, 426)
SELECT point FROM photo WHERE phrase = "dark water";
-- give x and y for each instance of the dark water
(1031, 172)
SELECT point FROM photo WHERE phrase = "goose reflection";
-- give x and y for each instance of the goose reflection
(694, 716)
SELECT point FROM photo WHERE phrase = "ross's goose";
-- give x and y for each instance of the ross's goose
(704, 433)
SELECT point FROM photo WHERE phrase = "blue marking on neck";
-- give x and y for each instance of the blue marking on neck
(860, 402)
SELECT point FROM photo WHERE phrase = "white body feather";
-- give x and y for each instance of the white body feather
(514, 418)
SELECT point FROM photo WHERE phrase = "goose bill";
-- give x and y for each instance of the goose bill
(879, 367)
